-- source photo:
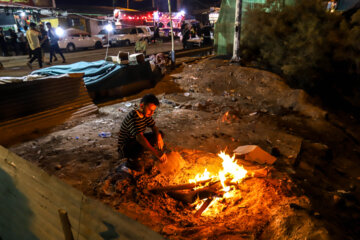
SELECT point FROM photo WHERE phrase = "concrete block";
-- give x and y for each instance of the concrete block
(254, 153)
(137, 58)
(123, 57)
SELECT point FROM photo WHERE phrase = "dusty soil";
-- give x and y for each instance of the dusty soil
(311, 192)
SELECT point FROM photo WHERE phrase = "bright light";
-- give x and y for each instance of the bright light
(59, 31)
(22, 14)
(156, 16)
(182, 12)
(109, 27)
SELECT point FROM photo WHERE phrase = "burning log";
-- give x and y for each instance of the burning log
(203, 207)
(179, 187)
(190, 196)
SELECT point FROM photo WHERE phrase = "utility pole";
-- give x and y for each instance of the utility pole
(172, 37)
(237, 32)
(128, 3)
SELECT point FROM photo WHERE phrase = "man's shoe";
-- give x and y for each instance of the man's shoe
(64, 61)
(55, 60)
(29, 65)
(49, 63)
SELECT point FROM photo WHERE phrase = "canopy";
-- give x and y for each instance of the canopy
(72, 31)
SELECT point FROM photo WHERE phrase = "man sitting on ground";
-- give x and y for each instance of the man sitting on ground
(133, 141)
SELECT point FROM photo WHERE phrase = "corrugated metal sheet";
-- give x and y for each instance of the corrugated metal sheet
(30, 200)
(32, 107)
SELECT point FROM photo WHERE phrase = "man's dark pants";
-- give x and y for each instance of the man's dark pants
(133, 150)
(54, 48)
(36, 55)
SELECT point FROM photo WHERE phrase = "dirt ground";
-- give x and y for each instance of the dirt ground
(311, 191)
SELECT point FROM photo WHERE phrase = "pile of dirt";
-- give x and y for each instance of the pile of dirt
(207, 107)
(257, 202)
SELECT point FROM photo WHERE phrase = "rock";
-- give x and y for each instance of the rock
(58, 166)
(315, 154)
(320, 234)
(275, 152)
(254, 153)
(188, 106)
(336, 199)
(306, 167)
(297, 100)
(173, 164)
(260, 173)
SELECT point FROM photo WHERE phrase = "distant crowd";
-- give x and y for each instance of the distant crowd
(33, 41)
(197, 31)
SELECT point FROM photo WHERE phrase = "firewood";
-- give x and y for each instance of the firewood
(203, 207)
(189, 196)
(179, 187)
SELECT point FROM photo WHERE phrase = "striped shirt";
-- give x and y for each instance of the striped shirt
(132, 126)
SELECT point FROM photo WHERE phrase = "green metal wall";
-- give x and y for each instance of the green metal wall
(224, 27)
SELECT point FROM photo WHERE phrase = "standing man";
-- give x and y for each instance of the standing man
(156, 33)
(32, 35)
(44, 43)
(27, 42)
(13, 40)
(185, 35)
(133, 141)
(21, 41)
(54, 46)
(3, 45)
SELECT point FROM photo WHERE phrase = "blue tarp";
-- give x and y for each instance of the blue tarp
(93, 71)
(101, 74)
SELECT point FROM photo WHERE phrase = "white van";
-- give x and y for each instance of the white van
(127, 36)
(74, 39)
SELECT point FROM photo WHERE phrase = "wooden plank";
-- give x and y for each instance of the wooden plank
(33, 198)
(100, 218)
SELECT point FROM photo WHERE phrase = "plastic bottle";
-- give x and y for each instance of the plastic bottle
(105, 134)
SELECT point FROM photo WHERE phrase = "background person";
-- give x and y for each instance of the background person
(13, 41)
(3, 44)
(22, 41)
(54, 46)
(44, 43)
(32, 36)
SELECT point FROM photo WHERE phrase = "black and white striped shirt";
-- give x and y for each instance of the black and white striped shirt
(132, 126)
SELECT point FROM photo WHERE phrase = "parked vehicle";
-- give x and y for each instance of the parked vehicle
(103, 35)
(148, 29)
(165, 32)
(127, 36)
(74, 39)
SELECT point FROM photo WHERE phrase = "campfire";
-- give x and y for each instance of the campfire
(230, 176)
(208, 192)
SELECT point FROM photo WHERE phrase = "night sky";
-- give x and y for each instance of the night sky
(144, 4)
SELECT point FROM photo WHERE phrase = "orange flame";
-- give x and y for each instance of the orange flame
(231, 173)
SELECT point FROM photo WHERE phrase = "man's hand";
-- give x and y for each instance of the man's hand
(160, 142)
(163, 158)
